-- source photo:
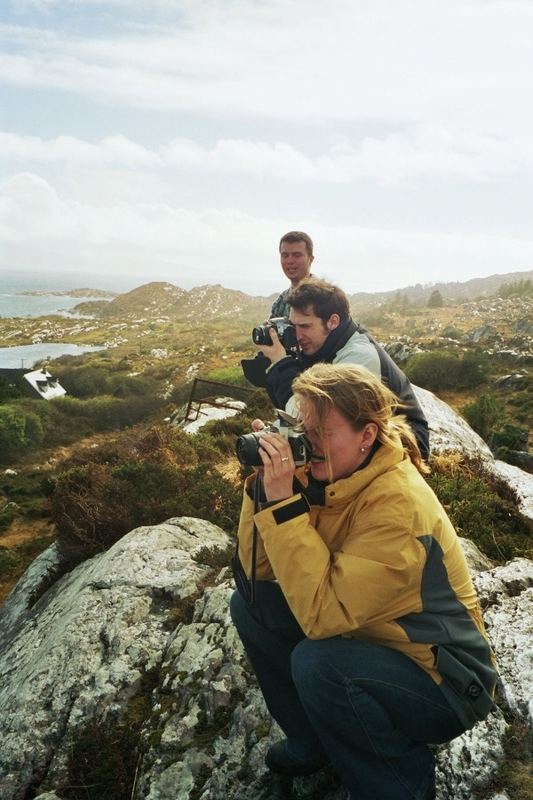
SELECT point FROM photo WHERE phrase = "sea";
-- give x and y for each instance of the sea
(14, 303)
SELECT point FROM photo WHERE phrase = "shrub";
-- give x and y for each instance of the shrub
(435, 299)
(8, 390)
(109, 413)
(92, 380)
(94, 504)
(441, 369)
(481, 509)
(434, 370)
(13, 438)
(484, 415)
(521, 287)
(34, 429)
(451, 332)
(473, 369)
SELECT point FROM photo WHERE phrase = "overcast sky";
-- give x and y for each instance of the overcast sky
(178, 139)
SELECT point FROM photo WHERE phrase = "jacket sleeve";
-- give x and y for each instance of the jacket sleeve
(374, 577)
(359, 350)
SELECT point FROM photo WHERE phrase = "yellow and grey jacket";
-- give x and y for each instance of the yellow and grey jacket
(380, 561)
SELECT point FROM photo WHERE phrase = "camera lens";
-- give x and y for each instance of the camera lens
(247, 450)
(260, 335)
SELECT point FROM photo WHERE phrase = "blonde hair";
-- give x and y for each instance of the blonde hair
(361, 398)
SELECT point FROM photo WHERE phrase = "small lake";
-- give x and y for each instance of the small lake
(27, 355)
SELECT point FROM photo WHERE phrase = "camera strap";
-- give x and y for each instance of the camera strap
(245, 586)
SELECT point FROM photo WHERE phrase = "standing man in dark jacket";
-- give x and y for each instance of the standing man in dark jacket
(296, 257)
(326, 333)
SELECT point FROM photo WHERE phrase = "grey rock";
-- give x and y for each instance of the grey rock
(80, 652)
(42, 572)
(448, 431)
(401, 350)
(153, 605)
(513, 381)
(48, 796)
(484, 334)
(477, 561)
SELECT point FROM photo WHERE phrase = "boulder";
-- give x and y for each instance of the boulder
(138, 641)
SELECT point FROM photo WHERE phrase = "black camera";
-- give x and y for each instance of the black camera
(247, 447)
(284, 328)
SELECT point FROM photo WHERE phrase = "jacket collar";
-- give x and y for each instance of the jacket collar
(384, 458)
(335, 340)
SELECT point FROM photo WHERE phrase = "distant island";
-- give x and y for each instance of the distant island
(70, 293)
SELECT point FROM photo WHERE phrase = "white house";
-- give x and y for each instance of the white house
(44, 384)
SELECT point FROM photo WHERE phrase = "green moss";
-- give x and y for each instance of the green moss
(262, 730)
(215, 557)
(103, 760)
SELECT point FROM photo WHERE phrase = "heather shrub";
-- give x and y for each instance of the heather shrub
(20, 430)
(140, 479)
(91, 380)
(434, 370)
(473, 369)
(95, 505)
(441, 369)
(484, 415)
(481, 508)
(34, 430)
(13, 439)
(109, 413)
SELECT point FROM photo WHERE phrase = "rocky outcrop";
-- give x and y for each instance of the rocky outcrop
(144, 629)
(133, 653)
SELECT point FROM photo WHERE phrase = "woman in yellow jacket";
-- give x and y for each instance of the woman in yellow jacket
(365, 632)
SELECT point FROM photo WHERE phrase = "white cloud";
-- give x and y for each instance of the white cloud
(415, 61)
(404, 156)
(194, 132)
(229, 246)
(117, 150)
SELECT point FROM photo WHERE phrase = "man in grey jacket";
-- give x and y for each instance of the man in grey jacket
(325, 332)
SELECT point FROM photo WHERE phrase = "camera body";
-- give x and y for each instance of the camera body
(284, 328)
(247, 446)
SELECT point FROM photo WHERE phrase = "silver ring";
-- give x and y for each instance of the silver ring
(285, 458)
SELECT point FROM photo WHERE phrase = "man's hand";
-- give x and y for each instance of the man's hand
(275, 351)
(278, 466)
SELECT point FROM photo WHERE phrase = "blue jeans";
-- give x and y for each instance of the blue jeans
(371, 709)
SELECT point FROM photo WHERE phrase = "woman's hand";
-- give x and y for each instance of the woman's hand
(278, 466)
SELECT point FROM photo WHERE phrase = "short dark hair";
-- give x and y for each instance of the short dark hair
(298, 236)
(324, 298)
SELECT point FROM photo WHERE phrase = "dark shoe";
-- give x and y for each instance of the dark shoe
(279, 759)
